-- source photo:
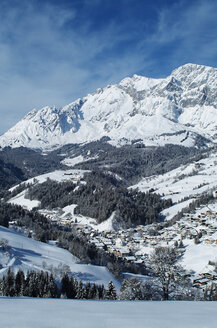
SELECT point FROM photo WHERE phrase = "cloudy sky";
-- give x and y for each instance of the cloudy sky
(54, 51)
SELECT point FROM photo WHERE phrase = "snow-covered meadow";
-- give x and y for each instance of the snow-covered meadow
(61, 313)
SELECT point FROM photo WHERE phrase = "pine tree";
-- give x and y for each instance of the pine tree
(9, 283)
(72, 289)
(92, 292)
(19, 283)
(65, 285)
(33, 286)
(87, 290)
(111, 292)
(101, 292)
(80, 291)
(52, 288)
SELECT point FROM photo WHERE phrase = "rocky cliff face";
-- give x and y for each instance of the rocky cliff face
(180, 109)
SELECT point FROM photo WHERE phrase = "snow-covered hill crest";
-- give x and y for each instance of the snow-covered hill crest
(179, 109)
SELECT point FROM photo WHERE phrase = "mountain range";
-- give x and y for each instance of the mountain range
(179, 109)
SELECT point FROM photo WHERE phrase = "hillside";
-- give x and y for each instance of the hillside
(28, 254)
(184, 184)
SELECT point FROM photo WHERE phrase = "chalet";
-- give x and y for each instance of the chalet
(122, 252)
(139, 253)
(98, 244)
(107, 242)
(139, 261)
(208, 276)
(130, 258)
(12, 222)
(200, 282)
(208, 212)
(209, 241)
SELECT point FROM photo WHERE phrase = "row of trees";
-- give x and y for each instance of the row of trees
(166, 280)
(43, 284)
(74, 289)
(34, 284)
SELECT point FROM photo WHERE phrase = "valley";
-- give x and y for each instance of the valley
(114, 177)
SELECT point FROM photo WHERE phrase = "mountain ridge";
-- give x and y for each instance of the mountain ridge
(177, 109)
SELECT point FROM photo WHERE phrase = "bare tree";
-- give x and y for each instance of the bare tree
(169, 274)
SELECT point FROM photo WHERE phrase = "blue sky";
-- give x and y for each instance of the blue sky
(54, 51)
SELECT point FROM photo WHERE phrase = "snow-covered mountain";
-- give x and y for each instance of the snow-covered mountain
(179, 109)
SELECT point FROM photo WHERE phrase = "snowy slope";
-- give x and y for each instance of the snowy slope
(29, 254)
(66, 212)
(176, 110)
(183, 184)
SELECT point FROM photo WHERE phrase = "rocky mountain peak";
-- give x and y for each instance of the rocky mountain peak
(178, 109)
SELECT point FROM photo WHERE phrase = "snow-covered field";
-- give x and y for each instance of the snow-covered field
(29, 254)
(60, 313)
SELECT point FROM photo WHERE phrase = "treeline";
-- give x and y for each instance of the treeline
(7, 194)
(43, 284)
(52, 194)
(103, 194)
(131, 162)
(135, 289)
(99, 197)
(10, 212)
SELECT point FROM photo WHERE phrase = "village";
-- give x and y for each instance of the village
(134, 245)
